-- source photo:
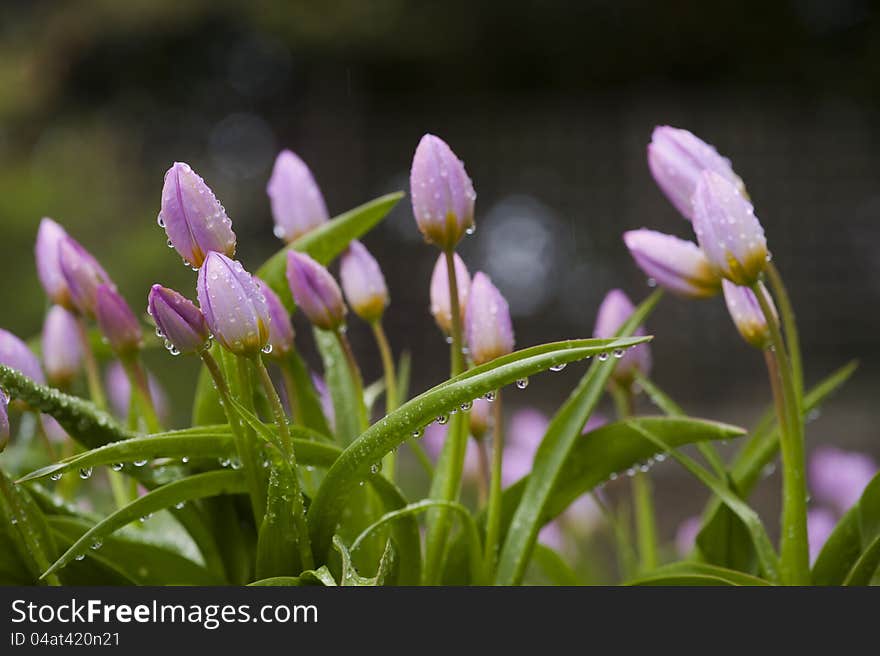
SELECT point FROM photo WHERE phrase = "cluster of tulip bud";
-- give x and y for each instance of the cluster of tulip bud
(731, 250)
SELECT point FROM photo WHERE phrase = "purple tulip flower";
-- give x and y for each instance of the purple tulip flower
(363, 283)
(442, 193)
(280, 327)
(616, 308)
(53, 430)
(234, 307)
(838, 478)
(177, 320)
(820, 525)
(675, 264)
(746, 314)
(119, 392)
(194, 220)
(15, 354)
(677, 157)
(441, 308)
(315, 291)
(728, 230)
(49, 236)
(487, 325)
(62, 348)
(82, 273)
(297, 203)
(117, 322)
(434, 439)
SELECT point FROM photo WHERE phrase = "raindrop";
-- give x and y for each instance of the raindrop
(652, 282)
(146, 517)
(160, 220)
(631, 472)
(602, 357)
(97, 544)
(522, 383)
(417, 433)
(558, 367)
(471, 229)
(140, 463)
(374, 468)
(235, 463)
(184, 459)
(56, 476)
(618, 353)
(660, 457)
(170, 245)
(467, 405)
(224, 462)
(180, 504)
(442, 419)
(79, 556)
(85, 473)
(117, 466)
(490, 396)
(267, 349)
(613, 476)
(452, 411)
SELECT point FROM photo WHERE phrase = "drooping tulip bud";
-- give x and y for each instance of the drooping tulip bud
(479, 418)
(440, 305)
(178, 321)
(82, 273)
(315, 291)
(728, 230)
(675, 264)
(363, 282)
(744, 309)
(442, 193)
(297, 202)
(233, 305)
(838, 478)
(677, 157)
(280, 327)
(15, 354)
(194, 220)
(62, 348)
(119, 392)
(487, 326)
(49, 236)
(614, 311)
(116, 321)
(4, 420)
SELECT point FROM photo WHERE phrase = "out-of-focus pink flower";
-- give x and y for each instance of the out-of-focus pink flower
(686, 536)
(527, 428)
(325, 399)
(435, 437)
(614, 311)
(838, 478)
(62, 349)
(820, 524)
(552, 535)
(479, 417)
(119, 392)
(53, 429)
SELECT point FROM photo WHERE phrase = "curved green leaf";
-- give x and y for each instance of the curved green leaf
(693, 573)
(552, 453)
(354, 464)
(311, 414)
(348, 401)
(30, 532)
(326, 241)
(553, 566)
(350, 576)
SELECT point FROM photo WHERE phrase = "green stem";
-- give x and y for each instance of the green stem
(390, 387)
(290, 389)
(140, 388)
(356, 377)
(483, 485)
(299, 513)
(456, 353)
(493, 515)
(789, 327)
(257, 494)
(794, 551)
(93, 377)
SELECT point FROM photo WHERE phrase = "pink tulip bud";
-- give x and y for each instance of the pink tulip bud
(728, 230)
(15, 354)
(487, 325)
(616, 308)
(119, 392)
(441, 308)
(280, 327)
(315, 291)
(178, 321)
(49, 237)
(442, 193)
(194, 220)
(62, 349)
(686, 536)
(82, 273)
(479, 418)
(117, 322)
(677, 158)
(297, 203)
(363, 282)
(675, 264)
(746, 314)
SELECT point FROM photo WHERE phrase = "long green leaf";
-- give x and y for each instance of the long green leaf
(31, 534)
(311, 412)
(561, 435)
(692, 573)
(348, 402)
(395, 428)
(327, 241)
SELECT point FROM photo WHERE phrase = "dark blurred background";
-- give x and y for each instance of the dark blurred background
(550, 104)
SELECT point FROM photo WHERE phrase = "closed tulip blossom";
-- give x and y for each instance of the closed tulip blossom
(677, 157)
(62, 348)
(49, 236)
(675, 264)
(82, 273)
(442, 193)
(297, 203)
(234, 307)
(487, 325)
(441, 308)
(315, 291)
(746, 313)
(117, 322)
(194, 220)
(118, 387)
(280, 327)
(728, 230)
(614, 311)
(178, 321)
(15, 354)
(837, 478)
(363, 283)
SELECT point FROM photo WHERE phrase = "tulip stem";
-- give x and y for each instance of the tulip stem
(356, 378)
(140, 386)
(642, 493)
(493, 513)
(96, 390)
(483, 485)
(789, 327)
(390, 373)
(456, 355)
(794, 550)
(299, 514)
(290, 388)
(256, 492)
